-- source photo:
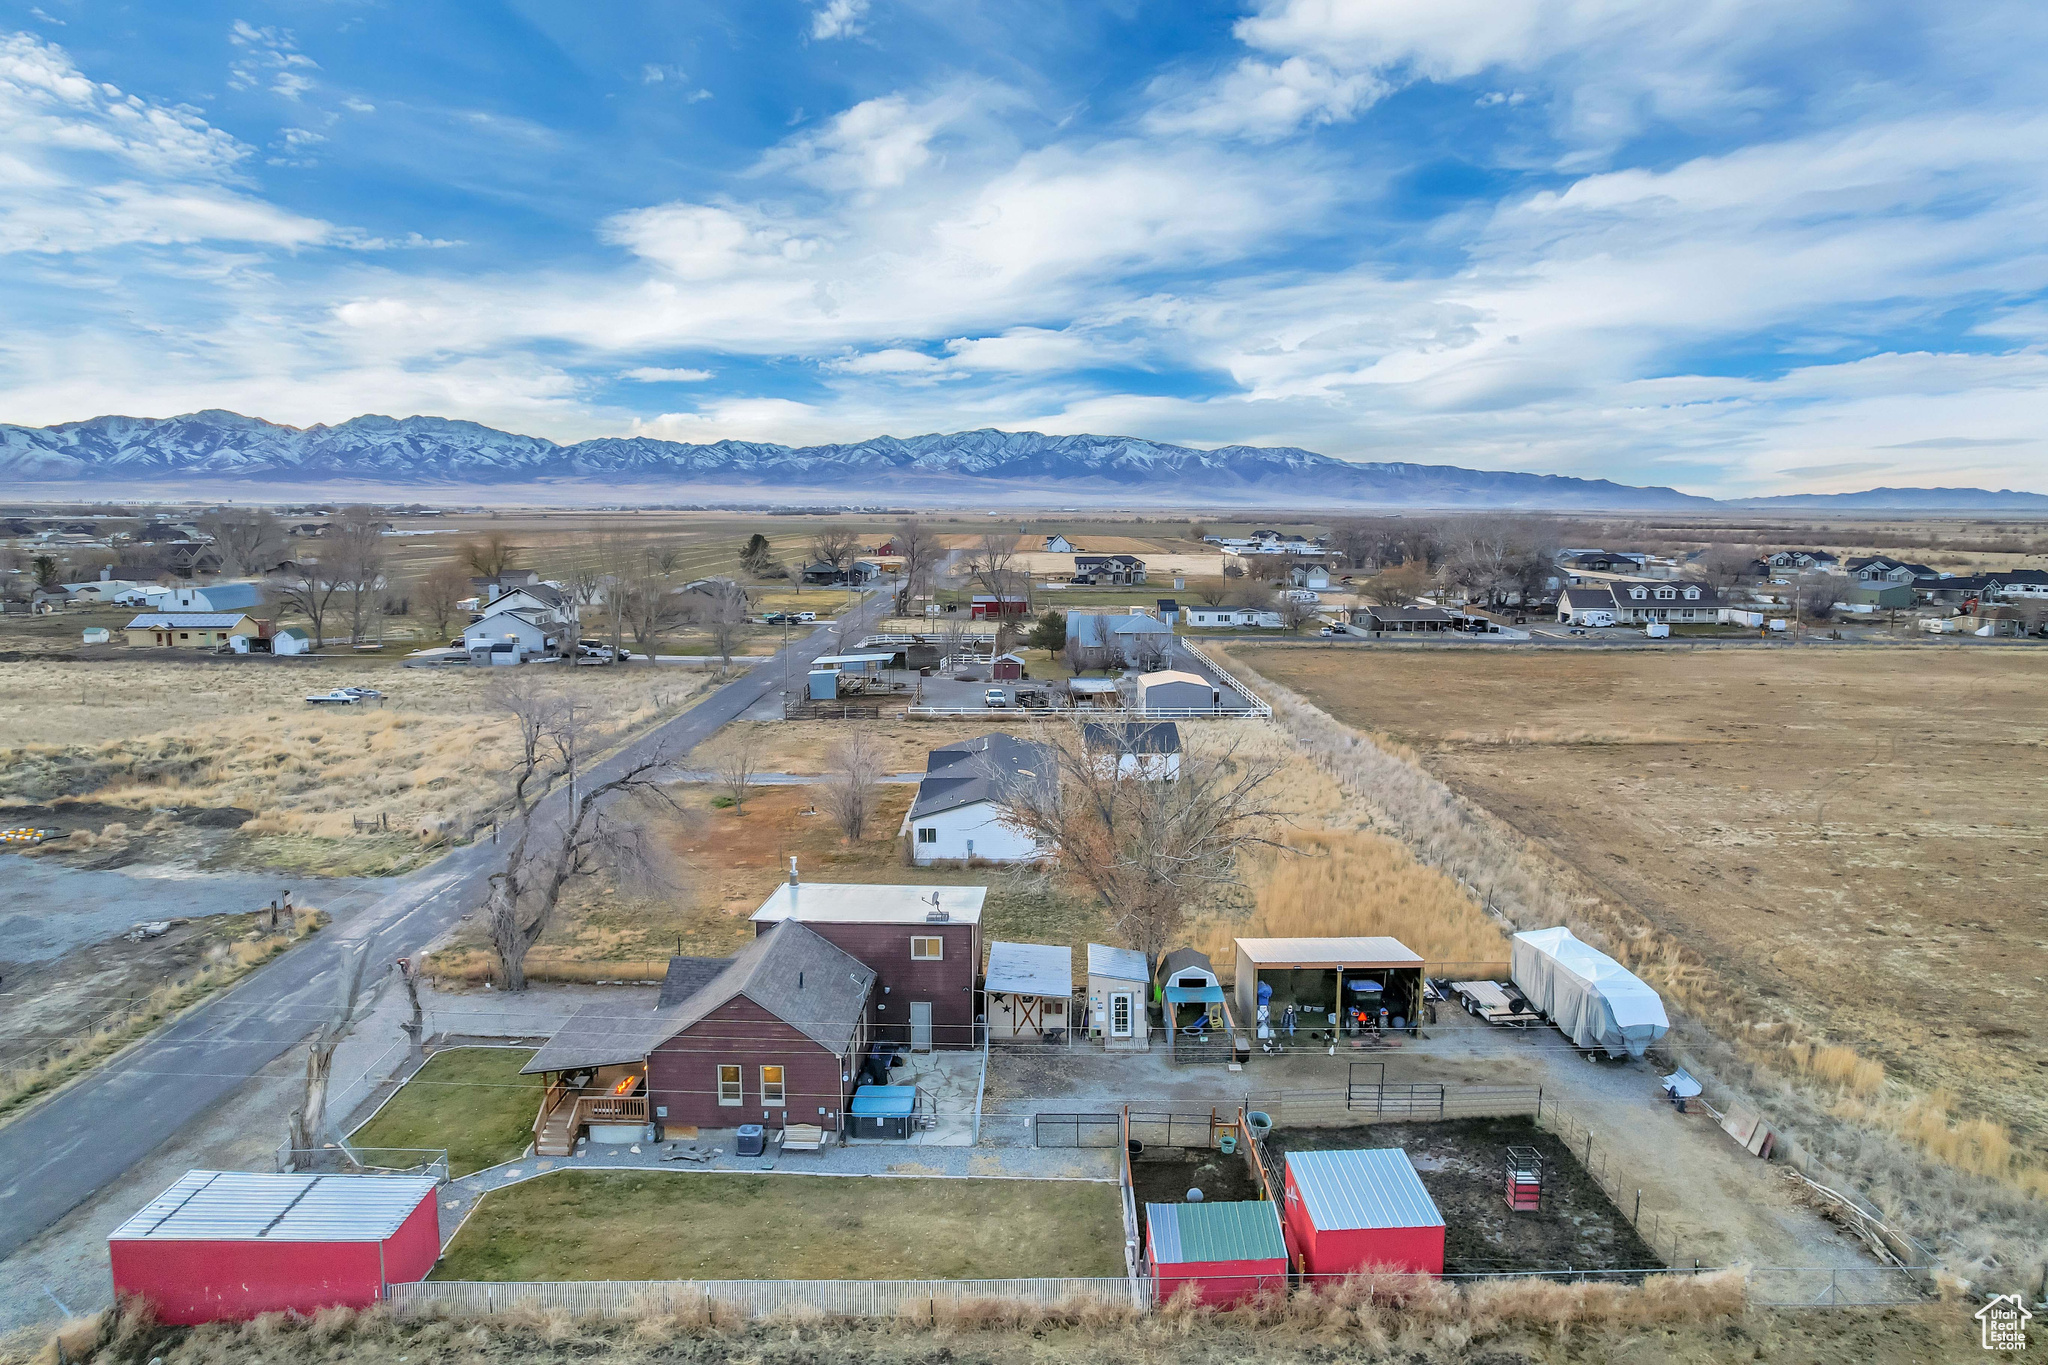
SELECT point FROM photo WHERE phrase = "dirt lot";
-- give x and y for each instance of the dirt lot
(1578, 1227)
(1854, 836)
(581, 1225)
(142, 735)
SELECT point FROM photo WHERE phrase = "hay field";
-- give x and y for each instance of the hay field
(1856, 840)
(148, 734)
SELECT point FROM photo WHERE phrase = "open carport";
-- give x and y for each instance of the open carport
(1326, 979)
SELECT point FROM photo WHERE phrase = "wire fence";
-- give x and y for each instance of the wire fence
(1614, 1179)
(931, 1300)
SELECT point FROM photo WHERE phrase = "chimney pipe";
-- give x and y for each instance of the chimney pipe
(792, 870)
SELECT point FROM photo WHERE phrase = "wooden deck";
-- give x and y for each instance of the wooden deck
(565, 1111)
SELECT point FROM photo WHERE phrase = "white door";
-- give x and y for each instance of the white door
(1120, 1015)
(920, 1026)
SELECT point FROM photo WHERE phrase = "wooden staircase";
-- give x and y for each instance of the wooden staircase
(556, 1135)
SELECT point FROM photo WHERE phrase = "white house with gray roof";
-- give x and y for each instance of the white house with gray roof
(959, 814)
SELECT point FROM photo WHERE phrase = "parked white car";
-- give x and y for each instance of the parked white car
(340, 696)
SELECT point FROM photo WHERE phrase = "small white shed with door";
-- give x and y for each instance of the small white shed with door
(1116, 997)
(1026, 990)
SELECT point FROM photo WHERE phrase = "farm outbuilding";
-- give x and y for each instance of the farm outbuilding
(1595, 1000)
(1027, 988)
(1228, 1250)
(232, 1244)
(1330, 982)
(1362, 1210)
(1007, 668)
(1176, 689)
(1116, 997)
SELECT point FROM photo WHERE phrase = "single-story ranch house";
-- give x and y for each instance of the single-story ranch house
(1632, 603)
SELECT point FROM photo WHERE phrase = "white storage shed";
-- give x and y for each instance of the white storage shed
(1116, 998)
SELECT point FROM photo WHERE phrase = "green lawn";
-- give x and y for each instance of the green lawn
(471, 1100)
(699, 1225)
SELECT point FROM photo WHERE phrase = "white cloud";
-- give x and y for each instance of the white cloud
(269, 55)
(875, 145)
(90, 167)
(891, 360)
(1265, 99)
(838, 19)
(651, 374)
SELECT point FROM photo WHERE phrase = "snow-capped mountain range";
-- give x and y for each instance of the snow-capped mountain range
(218, 446)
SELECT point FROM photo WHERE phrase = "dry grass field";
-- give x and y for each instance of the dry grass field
(196, 733)
(1854, 839)
(1332, 878)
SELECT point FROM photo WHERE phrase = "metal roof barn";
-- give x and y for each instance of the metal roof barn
(232, 1244)
(1226, 1250)
(1362, 1210)
(1347, 980)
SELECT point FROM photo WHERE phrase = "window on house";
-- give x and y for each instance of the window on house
(927, 949)
(184, 635)
(728, 1083)
(927, 834)
(771, 1085)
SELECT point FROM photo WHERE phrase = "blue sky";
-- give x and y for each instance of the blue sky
(1735, 246)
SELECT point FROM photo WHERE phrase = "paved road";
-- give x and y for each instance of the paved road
(55, 1157)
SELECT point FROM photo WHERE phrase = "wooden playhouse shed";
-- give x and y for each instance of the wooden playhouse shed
(1116, 998)
(1026, 989)
(1362, 1210)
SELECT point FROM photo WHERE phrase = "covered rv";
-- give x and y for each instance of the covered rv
(1595, 1000)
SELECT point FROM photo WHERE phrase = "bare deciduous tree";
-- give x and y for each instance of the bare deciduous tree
(1152, 852)
(1725, 566)
(1212, 592)
(852, 781)
(736, 759)
(354, 558)
(308, 588)
(1396, 587)
(309, 1133)
(491, 556)
(248, 540)
(721, 610)
(1812, 596)
(445, 585)
(596, 831)
(1294, 612)
(835, 547)
(415, 1026)
(919, 550)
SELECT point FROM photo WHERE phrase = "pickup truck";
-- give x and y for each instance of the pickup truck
(340, 696)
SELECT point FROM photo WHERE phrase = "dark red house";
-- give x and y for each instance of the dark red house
(923, 943)
(774, 1037)
(1356, 1211)
(232, 1244)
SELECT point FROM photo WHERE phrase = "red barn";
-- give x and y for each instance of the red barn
(1366, 1210)
(984, 605)
(232, 1244)
(1228, 1250)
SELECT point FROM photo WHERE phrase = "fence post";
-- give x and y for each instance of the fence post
(1638, 1219)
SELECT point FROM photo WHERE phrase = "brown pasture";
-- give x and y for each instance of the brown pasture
(1855, 837)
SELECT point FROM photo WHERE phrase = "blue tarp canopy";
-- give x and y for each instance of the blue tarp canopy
(884, 1101)
(1194, 995)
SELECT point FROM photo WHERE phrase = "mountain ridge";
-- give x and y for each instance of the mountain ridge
(422, 451)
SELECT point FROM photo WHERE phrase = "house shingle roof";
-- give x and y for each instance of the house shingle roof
(1134, 737)
(989, 768)
(815, 987)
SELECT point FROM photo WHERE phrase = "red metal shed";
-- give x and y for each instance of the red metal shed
(1007, 668)
(1228, 1250)
(1362, 1210)
(232, 1244)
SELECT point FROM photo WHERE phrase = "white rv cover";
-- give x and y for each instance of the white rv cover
(1594, 999)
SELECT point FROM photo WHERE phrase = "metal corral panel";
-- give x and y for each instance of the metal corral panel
(1327, 952)
(1230, 1230)
(1362, 1189)
(1030, 969)
(244, 1206)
